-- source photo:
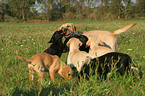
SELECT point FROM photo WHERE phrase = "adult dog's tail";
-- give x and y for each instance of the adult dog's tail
(123, 29)
(24, 60)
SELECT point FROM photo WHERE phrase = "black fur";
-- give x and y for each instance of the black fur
(104, 63)
(56, 48)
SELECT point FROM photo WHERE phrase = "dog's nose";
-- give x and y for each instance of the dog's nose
(65, 30)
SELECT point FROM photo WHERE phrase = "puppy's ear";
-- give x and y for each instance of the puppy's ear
(68, 43)
(88, 43)
(64, 72)
(51, 40)
(80, 43)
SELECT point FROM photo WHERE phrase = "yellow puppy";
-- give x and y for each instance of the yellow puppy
(43, 61)
(107, 37)
(95, 49)
(75, 56)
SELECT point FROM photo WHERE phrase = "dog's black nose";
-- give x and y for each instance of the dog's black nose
(65, 30)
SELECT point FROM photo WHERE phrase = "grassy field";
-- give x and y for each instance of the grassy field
(30, 39)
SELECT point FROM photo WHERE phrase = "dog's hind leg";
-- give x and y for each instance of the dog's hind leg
(52, 75)
(80, 65)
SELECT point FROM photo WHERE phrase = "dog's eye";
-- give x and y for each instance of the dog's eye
(69, 75)
(68, 26)
(62, 28)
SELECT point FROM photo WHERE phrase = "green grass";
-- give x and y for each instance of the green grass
(30, 39)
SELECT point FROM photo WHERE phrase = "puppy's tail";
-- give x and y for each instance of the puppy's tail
(123, 29)
(24, 60)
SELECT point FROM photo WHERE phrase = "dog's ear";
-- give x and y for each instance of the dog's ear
(64, 72)
(74, 28)
(80, 43)
(68, 43)
(51, 40)
(60, 28)
(88, 43)
(67, 72)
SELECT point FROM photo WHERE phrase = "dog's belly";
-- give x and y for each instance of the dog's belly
(99, 51)
(106, 37)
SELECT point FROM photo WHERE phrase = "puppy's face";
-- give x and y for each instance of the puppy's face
(69, 28)
(57, 36)
(67, 72)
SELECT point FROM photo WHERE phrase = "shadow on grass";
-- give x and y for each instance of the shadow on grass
(19, 92)
(44, 92)
(140, 72)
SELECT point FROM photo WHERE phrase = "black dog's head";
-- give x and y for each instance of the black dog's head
(57, 36)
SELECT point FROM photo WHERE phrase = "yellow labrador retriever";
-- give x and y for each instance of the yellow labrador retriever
(107, 37)
(43, 61)
(75, 56)
(95, 49)
(69, 27)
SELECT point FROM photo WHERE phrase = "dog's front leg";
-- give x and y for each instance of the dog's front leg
(40, 76)
(52, 75)
(69, 60)
(79, 66)
(31, 72)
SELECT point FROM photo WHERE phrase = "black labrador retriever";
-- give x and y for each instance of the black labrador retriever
(56, 48)
(104, 64)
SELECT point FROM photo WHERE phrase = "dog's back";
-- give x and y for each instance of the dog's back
(104, 64)
(44, 59)
(121, 60)
(56, 48)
